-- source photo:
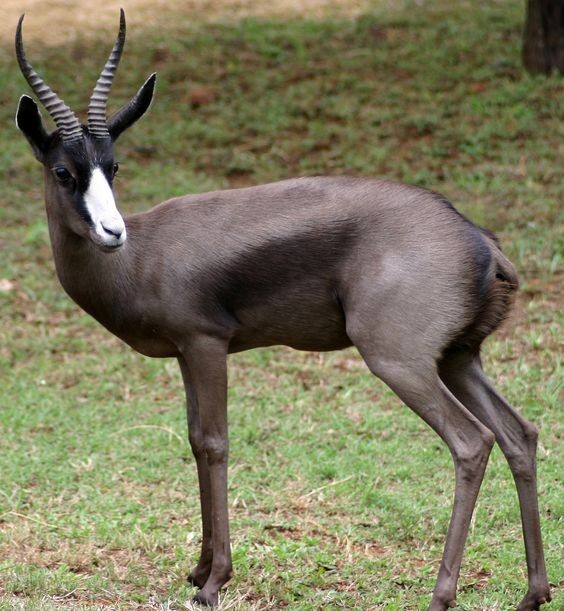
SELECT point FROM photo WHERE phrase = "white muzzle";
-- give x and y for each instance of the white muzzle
(108, 226)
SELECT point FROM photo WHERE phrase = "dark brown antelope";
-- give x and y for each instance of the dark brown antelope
(313, 263)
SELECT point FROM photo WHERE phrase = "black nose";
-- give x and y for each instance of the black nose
(115, 231)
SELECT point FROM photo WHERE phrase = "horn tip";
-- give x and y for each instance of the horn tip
(20, 21)
(20, 54)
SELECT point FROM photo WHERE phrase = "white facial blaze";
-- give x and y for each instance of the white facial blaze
(101, 206)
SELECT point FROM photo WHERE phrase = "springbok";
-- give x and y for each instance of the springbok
(314, 263)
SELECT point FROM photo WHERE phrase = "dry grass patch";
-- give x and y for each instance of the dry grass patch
(55, 22)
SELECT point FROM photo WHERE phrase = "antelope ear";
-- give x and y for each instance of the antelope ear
(133, 110)
(28, 120)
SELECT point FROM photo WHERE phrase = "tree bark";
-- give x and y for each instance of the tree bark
(543, 48)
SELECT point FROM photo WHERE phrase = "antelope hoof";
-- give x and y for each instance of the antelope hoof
(198, 577)
(534, 600)
(437, 605)
(210, 600)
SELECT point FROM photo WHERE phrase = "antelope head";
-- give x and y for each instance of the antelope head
(79, 159)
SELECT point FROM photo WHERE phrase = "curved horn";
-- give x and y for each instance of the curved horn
(97, 121)
(63, 116)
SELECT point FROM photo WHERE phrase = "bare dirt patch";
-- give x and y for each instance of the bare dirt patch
(59, 21)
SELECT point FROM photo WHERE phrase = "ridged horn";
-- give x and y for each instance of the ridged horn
(64, 117)
(97, 120)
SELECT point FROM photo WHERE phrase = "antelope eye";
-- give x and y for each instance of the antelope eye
(62, 174)
(116, 168)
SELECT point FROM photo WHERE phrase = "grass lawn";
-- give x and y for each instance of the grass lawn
(339, 495)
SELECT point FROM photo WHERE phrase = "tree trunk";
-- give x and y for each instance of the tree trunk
(543, 48)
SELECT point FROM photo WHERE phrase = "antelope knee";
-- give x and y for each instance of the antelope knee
(216, 449)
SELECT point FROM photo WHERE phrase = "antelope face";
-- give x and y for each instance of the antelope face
(79, 178)
(79, 159)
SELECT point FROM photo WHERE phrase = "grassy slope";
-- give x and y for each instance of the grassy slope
(340, 496)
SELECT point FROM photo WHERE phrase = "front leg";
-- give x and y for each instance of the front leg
(204, 369)
(201, 572)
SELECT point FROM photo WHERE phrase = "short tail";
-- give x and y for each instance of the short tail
(499, 282)
(502, 292)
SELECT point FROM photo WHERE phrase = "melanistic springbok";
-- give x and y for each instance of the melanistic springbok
(313, 263)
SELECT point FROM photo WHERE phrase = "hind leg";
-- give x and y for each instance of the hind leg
(416, 381)
(463, 374)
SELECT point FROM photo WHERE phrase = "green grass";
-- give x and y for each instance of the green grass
(340, 497)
